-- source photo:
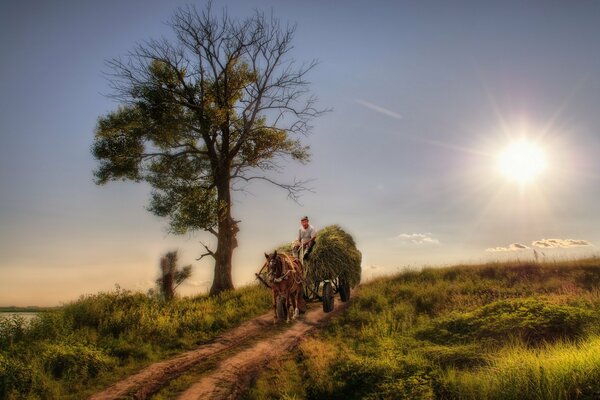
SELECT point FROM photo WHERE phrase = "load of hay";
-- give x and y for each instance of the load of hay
(334, 254)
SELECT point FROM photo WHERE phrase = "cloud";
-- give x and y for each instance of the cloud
(542, 244)
(560, 243)
(417, 238)
(510, 247)
(377, 108)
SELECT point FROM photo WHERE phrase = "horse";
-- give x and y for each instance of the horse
(285, 276)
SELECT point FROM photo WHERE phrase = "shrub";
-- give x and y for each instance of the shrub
(532, 320)
(20, 380)
(12, 330)
(74, 362)
(382, 378)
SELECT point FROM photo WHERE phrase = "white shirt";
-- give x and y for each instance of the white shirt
(304, 235)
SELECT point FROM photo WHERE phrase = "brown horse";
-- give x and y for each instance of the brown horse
(285, 277)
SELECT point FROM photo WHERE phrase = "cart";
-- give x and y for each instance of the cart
(323, 290)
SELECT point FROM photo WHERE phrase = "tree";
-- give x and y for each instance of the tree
(203, 114)
(171, 276)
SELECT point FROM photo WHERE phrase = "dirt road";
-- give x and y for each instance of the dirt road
(231, 377)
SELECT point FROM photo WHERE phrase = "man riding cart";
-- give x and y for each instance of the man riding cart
(306, 240)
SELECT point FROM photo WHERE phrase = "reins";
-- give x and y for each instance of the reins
(290, 262)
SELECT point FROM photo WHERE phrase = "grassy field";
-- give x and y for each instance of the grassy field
(517, 330)
(496, 331)
(73, 351)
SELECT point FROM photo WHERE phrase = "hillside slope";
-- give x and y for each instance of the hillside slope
(496, 331)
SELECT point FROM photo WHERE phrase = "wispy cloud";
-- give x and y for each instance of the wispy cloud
(560, 243)
(510, 247)
(542, 244)
(417, 238)
(377, 108)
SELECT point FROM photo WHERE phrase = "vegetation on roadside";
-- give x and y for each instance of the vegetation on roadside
(78, 349)
(517, 330)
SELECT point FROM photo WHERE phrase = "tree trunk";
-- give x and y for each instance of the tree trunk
(226, 240)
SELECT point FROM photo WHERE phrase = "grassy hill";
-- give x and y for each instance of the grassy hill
(495, 331)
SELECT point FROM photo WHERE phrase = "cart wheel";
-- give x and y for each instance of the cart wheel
(328, 298)
(281, 309)
(344, 290)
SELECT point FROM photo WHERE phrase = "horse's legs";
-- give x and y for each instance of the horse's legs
(297, 301)
(287, 305)
(274, 293)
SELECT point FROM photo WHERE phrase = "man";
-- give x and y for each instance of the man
(306, 238)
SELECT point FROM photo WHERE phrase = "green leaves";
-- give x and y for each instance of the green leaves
(119, 145)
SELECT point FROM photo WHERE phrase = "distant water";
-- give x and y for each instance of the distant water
(28, 316)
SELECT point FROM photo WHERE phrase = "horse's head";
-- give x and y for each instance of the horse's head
(274, 264)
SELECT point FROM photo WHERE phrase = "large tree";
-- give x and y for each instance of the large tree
(217, 106)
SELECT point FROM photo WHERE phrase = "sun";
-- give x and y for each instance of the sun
(521, 161)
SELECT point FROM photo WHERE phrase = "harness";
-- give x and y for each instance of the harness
(290, 261)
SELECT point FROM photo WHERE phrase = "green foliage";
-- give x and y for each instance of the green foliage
(74, 362)
(72, 349)
(21, 379)
(12, 329)
(530, 319)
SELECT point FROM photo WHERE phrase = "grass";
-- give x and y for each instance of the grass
(76, 350)
(562, 370)
(517, 330)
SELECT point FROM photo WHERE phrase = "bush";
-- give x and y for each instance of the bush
(74, 362)
(12, 330)
(529, 319)
(382, 378)
(20, 380)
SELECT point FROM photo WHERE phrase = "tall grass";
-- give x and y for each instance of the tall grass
(563, 370)
(72, 351)
(516, 330)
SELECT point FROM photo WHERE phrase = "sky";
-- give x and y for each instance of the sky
(425, 97)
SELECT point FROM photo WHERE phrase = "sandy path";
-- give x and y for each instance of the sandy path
(232, 377)
(152, 378)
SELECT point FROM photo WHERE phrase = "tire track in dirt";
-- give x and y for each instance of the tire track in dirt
(150, 379)
(233, 376)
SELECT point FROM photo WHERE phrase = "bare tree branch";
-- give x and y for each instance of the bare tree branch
(209, 252)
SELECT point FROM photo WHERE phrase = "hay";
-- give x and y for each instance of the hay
(334, 254)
